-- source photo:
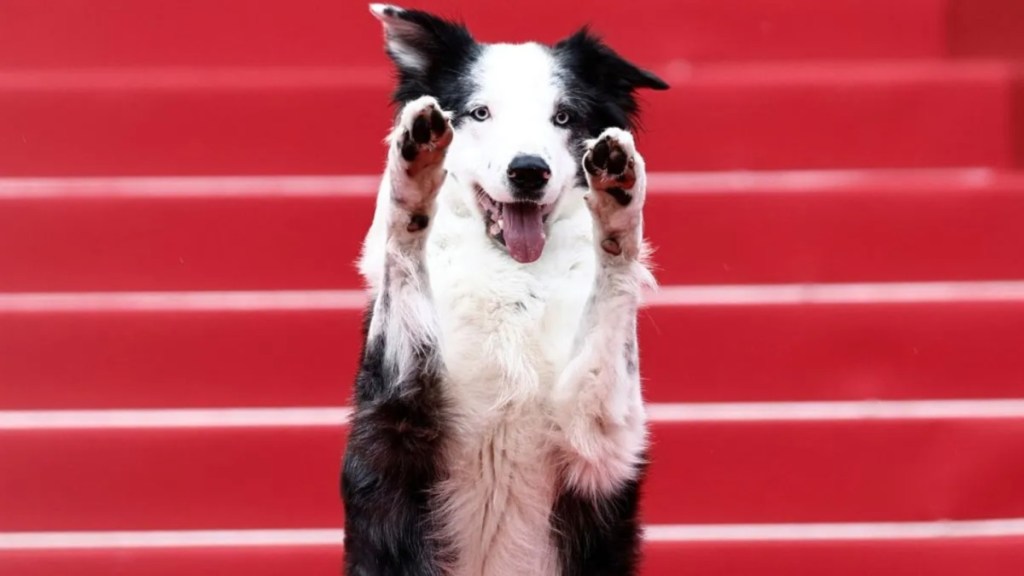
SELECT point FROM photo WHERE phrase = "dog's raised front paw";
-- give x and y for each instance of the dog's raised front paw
(615, 174)
(419, 143)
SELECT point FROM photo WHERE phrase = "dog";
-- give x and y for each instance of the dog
(499, 425)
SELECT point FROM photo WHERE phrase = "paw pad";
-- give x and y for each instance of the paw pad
(428, 129)
(612, 168)
(608, 160)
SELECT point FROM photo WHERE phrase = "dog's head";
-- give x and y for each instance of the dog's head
(521, 113)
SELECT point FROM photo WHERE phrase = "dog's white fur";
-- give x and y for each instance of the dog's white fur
(536, 356)
(518, 84)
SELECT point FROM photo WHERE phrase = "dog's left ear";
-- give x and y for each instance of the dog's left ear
(602, 65)
(419, 42)
(595, 64)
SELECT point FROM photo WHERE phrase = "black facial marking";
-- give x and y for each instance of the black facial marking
(620, 196)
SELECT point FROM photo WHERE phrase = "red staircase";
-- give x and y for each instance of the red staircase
(835, 363)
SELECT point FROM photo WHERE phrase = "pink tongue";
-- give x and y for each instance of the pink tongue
(523, 231)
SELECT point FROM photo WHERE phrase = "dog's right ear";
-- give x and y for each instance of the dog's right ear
(419, 42)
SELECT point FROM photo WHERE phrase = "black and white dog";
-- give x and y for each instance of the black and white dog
(499, 427)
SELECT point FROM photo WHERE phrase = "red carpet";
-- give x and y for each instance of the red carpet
(835, 363)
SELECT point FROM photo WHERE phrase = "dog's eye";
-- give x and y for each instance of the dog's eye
(480, 113)
(563, 118)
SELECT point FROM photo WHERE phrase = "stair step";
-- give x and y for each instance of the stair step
(948, 556)
(305, 121)
(271, 233)
(844, 342)
(324, 32)
(201, 474)
(985, 28)
(940, 557)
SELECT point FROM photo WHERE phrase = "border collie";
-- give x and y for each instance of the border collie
(499, 427)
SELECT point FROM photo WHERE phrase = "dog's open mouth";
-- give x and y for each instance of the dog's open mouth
(519, 226)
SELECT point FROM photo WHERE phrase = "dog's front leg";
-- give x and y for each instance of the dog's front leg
(598, 404)
(404, 319)
(392, 460)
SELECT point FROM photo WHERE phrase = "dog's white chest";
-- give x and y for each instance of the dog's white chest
(497, 499)
(501, 477)
(507, 330)
(506, 334)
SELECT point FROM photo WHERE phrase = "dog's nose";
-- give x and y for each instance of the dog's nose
(528, 174)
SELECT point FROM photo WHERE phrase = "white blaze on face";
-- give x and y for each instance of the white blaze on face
(519, 87)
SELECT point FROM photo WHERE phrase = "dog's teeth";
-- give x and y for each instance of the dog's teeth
(501, 223)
